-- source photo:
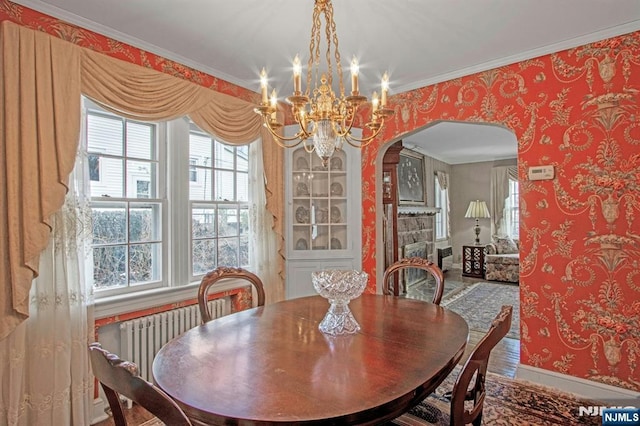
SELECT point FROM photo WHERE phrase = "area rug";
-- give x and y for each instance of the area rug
(508, 402)
(424, 290)
(479, 304)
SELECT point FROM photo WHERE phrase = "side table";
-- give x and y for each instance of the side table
(473, 261)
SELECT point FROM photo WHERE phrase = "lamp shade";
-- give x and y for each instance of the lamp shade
(477, 209)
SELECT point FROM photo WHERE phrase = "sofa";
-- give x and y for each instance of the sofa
(502, 259)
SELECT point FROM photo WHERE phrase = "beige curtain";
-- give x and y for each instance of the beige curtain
(42, 80)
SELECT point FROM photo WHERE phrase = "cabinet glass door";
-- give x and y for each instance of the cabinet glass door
(319, 202)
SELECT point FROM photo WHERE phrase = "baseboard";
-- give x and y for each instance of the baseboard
(610, 395)
(98, 413)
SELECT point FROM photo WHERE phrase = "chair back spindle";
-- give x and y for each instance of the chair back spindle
(119, 377)
(388, 282)
(223, 273)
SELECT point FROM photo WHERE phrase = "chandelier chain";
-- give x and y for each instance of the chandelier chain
(331, 23)
(314, 50)
(324, 119)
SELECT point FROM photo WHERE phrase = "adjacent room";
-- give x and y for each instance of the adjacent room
(319, 212)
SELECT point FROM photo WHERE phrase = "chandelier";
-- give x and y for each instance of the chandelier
(324, 120)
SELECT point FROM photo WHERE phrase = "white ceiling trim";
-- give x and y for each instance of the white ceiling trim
(523, 56)
(252, 85)
(133, 41)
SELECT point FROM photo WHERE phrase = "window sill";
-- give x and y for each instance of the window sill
(118, 305)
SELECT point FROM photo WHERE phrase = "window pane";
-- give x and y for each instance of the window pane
(94, 167)
(244, 251)
(144, 222)
(201, 188)
(203, 222)
(109, 223)
(242, 158)
(204, 256)
(228, 222)
(200, 149)
(228, 252)
(224, 156)
(244, 221)
(243, 186)
(141, 171)
(225, 186)
(109, 267)
(144, 263)
(104, 135)
(511, 211)
(140, 140)
(111, 183)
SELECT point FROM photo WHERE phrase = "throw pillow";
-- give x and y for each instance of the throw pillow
(505, 245)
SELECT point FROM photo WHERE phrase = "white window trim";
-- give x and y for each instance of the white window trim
(177, 284)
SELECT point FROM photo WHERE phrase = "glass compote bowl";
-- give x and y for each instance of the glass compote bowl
(339, 287)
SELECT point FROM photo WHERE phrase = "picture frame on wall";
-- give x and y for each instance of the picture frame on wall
(411, 184)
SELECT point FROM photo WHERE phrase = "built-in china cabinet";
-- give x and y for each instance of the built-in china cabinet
(323, 215)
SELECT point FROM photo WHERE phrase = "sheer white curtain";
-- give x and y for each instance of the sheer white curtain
(263, 244)
(44, 367)
(499, 193)
(443, 182)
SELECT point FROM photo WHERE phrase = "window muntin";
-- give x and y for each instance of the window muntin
(141, 209)
(127, 241)
(219, 203)
(512, 210)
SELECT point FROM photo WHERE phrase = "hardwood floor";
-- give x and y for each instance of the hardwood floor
(504, 357)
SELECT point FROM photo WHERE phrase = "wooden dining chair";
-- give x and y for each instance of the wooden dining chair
(474, 367)
(413, 262)
(119, 377)
(223, 273)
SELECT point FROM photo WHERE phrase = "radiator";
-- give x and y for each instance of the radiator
(445, 258)
(142, 338)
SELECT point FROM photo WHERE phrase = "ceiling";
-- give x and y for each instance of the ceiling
(418, 42)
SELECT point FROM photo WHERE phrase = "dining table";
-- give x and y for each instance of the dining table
(271, 365)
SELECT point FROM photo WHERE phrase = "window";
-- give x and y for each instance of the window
(94, 167)
(140, 212)
(512, 211)
(193, 173)
(219, 203)
(442, 217)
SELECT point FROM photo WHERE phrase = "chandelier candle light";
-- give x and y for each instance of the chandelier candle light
(477, 210)
(324, 120)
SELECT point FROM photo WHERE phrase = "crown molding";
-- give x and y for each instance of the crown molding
(109, 32)
(524, 56)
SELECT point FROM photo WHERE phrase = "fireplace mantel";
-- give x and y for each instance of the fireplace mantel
(430, 211)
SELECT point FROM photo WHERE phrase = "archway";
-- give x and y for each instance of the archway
(446, 144)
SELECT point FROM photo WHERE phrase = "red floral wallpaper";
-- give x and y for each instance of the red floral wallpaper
(580, 232)
(580, 236)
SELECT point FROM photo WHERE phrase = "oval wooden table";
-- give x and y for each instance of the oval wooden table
(271, 365)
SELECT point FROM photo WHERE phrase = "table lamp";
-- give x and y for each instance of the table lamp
(477, 209)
